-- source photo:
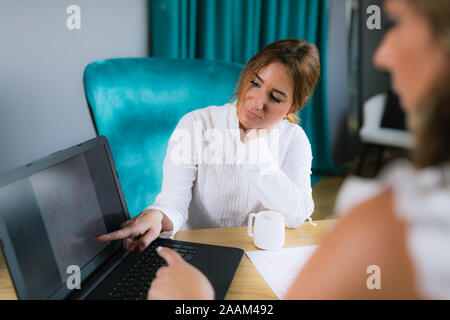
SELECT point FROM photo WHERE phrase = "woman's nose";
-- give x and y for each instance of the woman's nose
(258, 103)
(382, 58)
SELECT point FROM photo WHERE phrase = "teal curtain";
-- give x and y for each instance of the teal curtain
(234, 30)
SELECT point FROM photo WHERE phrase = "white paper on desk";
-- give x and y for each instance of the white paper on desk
(280, 268)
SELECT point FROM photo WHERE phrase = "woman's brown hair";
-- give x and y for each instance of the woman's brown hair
(430, 125)
(302, 61)
(430, 122)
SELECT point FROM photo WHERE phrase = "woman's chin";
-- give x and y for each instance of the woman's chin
(407, 105)
(247, 124)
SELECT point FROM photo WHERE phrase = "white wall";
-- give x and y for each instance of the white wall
(42, 102)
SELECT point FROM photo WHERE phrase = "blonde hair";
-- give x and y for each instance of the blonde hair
(302, 61)
(430, 124)
(430, 121)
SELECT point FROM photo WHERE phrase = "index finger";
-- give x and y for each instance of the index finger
(116, 235)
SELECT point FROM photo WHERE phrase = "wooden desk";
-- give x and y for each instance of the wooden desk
(248, 283)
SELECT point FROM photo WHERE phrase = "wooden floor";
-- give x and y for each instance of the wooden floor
(324, 195)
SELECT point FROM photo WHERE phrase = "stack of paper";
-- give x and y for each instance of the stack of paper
(280, 268)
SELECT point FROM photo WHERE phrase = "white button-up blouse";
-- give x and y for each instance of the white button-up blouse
(213, 180)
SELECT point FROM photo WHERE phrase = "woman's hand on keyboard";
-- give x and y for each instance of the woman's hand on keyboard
(179, 280)
(139, 232)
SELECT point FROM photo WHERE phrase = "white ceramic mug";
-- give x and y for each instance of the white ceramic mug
(269, 229)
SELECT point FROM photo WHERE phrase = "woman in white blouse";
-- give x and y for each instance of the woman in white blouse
(225, 162)
(398, 224)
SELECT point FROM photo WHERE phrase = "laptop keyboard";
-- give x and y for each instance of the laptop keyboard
(135, 283)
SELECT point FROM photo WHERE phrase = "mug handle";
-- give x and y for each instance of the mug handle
(250, 223)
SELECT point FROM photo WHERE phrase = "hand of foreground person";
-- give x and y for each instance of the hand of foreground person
(179, 280)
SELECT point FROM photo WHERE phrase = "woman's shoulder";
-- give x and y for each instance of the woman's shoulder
(207, 117)
(210, 114)
(211, 110)
(293, 133)
(292, 128)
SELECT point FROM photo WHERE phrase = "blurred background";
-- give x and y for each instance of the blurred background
(43, 105)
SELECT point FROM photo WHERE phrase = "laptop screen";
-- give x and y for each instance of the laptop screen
(53, 215)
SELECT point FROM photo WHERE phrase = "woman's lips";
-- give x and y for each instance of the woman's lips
(251, 114)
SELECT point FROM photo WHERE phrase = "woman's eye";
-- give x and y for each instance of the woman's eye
(254, 84)
(391, 23)
(275, 98)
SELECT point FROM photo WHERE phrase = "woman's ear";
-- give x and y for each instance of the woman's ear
(306, 101)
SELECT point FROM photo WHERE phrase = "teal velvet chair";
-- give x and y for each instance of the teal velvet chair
(137, 102)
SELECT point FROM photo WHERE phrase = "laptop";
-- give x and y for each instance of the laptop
(50, 212)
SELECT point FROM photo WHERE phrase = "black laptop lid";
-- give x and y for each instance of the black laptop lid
(50, 212)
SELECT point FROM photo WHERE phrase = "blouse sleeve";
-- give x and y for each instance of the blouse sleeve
(179, 174)
(285, 188)
(422, 201)
(354, 191)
